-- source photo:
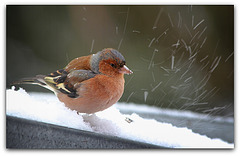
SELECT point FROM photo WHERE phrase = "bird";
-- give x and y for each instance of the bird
(88, 84)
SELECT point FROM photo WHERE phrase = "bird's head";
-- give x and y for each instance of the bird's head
(109, 62)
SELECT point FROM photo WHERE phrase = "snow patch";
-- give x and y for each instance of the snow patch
(144, 109)
(47, 108)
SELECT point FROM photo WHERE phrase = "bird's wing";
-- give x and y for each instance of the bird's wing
(60, 81)
(66, 82)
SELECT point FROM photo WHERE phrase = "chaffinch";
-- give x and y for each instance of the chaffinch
(88, 84)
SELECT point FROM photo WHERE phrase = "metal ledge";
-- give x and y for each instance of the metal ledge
(28, 134)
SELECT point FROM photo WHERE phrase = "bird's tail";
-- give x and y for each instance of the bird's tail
(37, 80)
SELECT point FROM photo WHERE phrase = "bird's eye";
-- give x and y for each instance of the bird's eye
(113, 65)
(122, 64)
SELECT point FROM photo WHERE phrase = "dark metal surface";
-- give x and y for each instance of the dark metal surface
(28, 134)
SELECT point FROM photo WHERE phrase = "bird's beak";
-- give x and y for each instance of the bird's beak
(125, 70)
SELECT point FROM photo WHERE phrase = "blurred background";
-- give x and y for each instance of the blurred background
(182, 56)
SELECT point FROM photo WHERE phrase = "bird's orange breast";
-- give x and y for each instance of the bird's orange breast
(95, 94)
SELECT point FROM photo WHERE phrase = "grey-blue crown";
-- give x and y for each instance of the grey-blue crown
(102, 55)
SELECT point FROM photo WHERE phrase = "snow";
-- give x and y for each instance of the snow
(46, 108)
(144, 109)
